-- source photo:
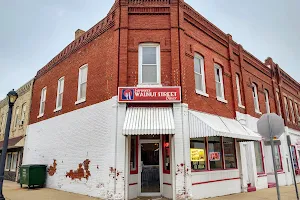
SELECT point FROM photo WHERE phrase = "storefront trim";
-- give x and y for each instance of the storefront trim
(219, 180)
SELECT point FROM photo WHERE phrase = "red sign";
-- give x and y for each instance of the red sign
(151, 94)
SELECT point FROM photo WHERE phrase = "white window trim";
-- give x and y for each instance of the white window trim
(297, 112)
(222, 99)
(239, 93)
(7, 169)
(286, 108)
(78, 87)
(57, 94)
(41, 100)
(278, 103)
(16, 117)
(23, 114)
(201, 92)
(292, 110)
(257, 110)
(12, 154)
(140, 59)
(267, 101)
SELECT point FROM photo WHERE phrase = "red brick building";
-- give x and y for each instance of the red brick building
(154, 44)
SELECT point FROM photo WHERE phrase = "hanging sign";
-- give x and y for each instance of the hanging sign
(214, 156)
(197, 155)
(151, 94)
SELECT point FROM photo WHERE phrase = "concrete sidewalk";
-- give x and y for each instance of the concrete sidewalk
(12, 191)
(286, 193)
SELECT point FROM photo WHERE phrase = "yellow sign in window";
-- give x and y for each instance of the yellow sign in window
(197, 155)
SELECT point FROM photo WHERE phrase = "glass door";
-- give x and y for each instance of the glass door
(150, 168)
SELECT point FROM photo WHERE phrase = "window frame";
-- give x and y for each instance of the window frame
(135, 171)
(140, 64)
(278, 104)
(286, 108)
(60, 82)
(43, 100)
(239, 91)
(16, 120)
(279, 152)
(291, 105)
(218, 67)
(267, 101)
(297, 113)
(165, 171)
(295, 150)
(255, 98)
(11, 165)
(201, 59)
(262, 157)
(23, 114)
(2, 121)
(81, 100)
(7, 168)
(208, 167)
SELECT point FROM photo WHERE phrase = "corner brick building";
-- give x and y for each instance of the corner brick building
(200, 141)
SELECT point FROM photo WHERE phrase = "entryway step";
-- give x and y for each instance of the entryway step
(251, 189)
(271, 185)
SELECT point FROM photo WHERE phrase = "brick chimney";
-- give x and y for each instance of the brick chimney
(78, 33)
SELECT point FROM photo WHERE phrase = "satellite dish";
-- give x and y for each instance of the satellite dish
(270, 125)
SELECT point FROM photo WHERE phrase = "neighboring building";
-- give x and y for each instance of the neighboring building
(181, 125)
(19, 122)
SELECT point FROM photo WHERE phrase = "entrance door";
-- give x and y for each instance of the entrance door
(150, 173)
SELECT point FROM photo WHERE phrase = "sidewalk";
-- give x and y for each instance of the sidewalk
(286, 193)
(12, 191)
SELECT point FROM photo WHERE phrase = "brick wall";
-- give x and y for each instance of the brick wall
(181, 31)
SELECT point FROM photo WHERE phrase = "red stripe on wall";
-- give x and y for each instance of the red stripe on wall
(227, 179)
(132, 184)
(167, 183)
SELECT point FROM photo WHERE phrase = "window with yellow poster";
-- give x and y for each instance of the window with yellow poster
(197, 155)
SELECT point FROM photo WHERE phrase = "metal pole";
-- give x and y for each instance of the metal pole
(293, 167)
(4, 150)
(273, 156)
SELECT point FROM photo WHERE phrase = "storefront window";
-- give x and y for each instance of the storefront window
(277, 158)
(294, 157)
(198, 154)
(259, 158)
(229, 153)
(166, 154)
(133, 155)
(215, 153)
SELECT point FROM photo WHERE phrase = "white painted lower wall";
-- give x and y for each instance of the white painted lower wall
(215, 183)
(262, 182)
(87, 133)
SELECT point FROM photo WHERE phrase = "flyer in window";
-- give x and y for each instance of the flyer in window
(214, 156)
(197, 155)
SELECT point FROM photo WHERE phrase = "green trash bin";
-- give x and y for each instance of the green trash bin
(33, 175)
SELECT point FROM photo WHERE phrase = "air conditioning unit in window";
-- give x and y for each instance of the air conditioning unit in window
(21, 123)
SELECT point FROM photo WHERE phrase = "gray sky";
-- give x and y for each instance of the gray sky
(34, 31)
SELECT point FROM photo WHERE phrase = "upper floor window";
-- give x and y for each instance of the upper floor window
(297, 113)
(23, 114)
(60, 91)
(292, 110)
(287, 113)
(255, 98)
(267, 101)
(2, 122)
(199, 74)
(82, 84)
(42, 102)
(238, 88)
(278, 104)
(149, 64)
(219, 83)
(17, 117)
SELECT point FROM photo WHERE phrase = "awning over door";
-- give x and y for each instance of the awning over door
(16, 142)
(205, 125)
(146, 121)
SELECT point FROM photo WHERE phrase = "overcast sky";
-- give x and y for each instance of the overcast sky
(32, 32)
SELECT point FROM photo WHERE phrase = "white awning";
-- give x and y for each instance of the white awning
(148, 121)
(205, 125)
